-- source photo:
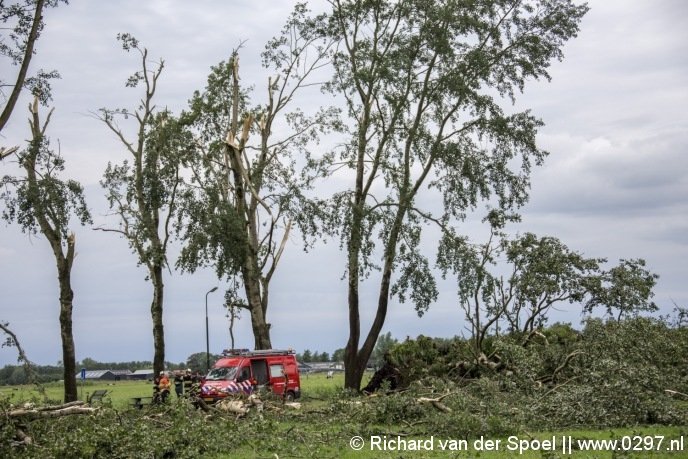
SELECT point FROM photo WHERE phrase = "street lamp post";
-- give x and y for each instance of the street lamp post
(207, 336)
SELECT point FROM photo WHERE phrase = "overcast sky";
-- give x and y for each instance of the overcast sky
(614, 186)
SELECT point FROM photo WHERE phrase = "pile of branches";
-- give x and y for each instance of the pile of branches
(20, 417)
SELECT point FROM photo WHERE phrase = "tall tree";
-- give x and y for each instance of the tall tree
(24, 21)
(247, 194)
(513, 282)
(422, 83)
(545, 272)
(41, 201)
(625, 288)
(143, 193)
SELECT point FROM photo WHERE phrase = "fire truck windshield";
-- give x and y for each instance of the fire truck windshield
(221, 374)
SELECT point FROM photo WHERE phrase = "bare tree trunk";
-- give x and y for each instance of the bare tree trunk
(353, 374)
(66, 305)
(156, 315)
(254, 296)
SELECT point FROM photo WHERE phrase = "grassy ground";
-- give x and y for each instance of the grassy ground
(311, 432)
(119, 392)
(314, 386)
(328, 443)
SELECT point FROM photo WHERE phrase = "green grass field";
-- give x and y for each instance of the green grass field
(340, 447)
(313, 386)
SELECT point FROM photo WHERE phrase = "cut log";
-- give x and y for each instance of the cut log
(232, 406)
(43, 413)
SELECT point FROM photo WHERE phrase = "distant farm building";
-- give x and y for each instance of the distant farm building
(99, 375)
(320, 367)
(305, 368)
(121, 374)
(106, 375)
(142, 374)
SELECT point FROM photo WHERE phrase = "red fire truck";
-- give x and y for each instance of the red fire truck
(244, 371)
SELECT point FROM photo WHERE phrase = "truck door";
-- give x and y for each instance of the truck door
(278, 379)
(259, 368)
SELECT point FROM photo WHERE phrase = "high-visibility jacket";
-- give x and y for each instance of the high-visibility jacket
(165, 383)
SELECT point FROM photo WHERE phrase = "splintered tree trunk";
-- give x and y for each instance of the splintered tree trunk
(64, 260)
(68, 354)
(156, 314)
(257, 307)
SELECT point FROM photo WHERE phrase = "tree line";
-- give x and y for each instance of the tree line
(17, 374)
(418, 92)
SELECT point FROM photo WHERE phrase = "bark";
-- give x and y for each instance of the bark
(64, 267)
(64, 260)
(436, 402)
(353, 369)
(156, 315)
(352, 373)
(356, 360)
(257, 304)
(24, 68)
(51, 412)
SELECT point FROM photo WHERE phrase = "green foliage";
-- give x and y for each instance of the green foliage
(541, 272)
(626, 289)
(43, 194)
(22, 23)
(338, 355)
(385, 343)
(248, 184)
(175, 430)
(196, 362)
(546, 272)
(423, 85)
(143, 191)
(609, 374)
(330, 416)
(627, 366)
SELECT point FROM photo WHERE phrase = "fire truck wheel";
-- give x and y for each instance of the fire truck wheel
(289, 396)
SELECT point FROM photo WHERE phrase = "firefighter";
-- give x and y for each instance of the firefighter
(179, 383)
(187, 382)
(164, 386)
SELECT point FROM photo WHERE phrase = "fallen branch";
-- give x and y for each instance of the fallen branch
(29, 369)
(52, 412)
(59, 407)
(232, 406)
(675, 392)
(22, 437)
(411, 424)
(5, 152)
(29, 413)
(533, 334)
(437, 402)
(564, 364)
